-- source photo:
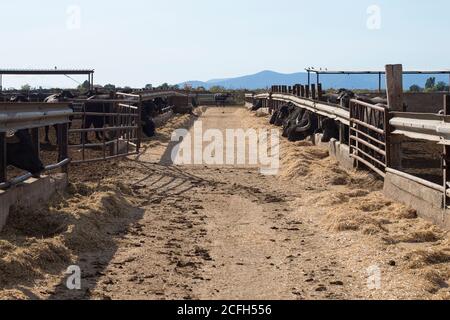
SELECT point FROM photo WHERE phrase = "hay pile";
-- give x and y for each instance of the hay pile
(41, 243)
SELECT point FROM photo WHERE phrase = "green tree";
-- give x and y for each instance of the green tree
(149, 86)
(26, 87)
(109, 87)
(164, 86)
(85, 86)
(441, 86)
(431, 82)
(217, 89)
(415, 88)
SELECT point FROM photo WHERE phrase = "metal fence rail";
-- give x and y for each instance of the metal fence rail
(368, 135)
(118, 136)
(31, 117)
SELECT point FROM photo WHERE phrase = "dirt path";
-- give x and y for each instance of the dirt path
(213, 232)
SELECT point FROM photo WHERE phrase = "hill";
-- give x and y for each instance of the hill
(267, 78)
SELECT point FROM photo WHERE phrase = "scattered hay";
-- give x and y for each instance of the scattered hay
(12, 295)
(37, 243)
(423, 258)
(436, 280)
(340, 221)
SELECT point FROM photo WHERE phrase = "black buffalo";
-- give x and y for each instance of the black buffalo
(341, 97)
(258, 105)
(97, 121)
(21, 153)
(330, 130)
(221, 98)
(19, 98)
(57, 98)
(304, 125)
(280, 115)
(149, 110)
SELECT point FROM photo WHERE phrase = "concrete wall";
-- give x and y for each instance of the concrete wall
(30, 194)
(424, 102)
(425, 199)
(339, 151)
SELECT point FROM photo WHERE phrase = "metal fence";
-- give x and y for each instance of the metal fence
(31, 117)
(368, 135)
(114, 125)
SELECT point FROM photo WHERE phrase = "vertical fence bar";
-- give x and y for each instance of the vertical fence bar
(446, 159)
(319, 91)
(3, 160)
(387, 136)
(63, 145)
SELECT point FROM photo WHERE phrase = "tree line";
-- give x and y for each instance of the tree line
(430, 86)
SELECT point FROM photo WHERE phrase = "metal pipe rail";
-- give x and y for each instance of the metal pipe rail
(426, 126)
(26, 176)
(430, 127)
(18, 116)
(325, 109)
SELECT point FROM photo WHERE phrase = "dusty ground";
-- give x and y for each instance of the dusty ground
(146, 229)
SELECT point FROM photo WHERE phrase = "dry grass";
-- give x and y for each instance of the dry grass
(39, 243)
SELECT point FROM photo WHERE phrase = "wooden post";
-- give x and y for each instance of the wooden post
(446, 156)
(270, 103)
(306, 91)
(302, 91)
(3, 160)
(313, 91)
(394, 87)
(319, 91)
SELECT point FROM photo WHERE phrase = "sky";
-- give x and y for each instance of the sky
(139, 42)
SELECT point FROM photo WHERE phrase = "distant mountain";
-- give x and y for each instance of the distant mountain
(266, 79)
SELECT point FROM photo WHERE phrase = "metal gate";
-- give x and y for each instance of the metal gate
(105, 129)
(369, 135)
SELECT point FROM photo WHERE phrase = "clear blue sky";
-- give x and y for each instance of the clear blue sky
(136, 42)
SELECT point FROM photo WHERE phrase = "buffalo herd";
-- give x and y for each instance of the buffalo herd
(298, 124)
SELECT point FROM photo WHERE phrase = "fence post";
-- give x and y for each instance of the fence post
(139, 125)
(3, 162)
(313, 91)
(446, 157)
(63, 142)
(307, 92)
(270, 103)
(319, 91)
(394, 87)
(302, 91)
